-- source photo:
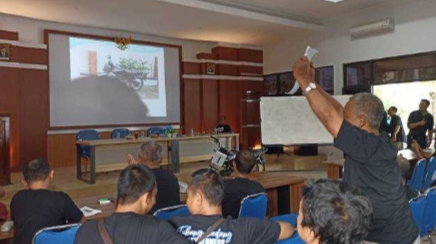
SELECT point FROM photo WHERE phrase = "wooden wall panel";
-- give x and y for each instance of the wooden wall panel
(226, 53)
(210, 105)
(192, 104)
(250, 55)
(230, 101)
(244, 70)
(34, 113)
(207, 56)
(10, 103)
(190, 68)
(29, 55)
(8, 35)
(226, 69)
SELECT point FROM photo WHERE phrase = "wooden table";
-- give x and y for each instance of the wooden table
(276, 185)
(192, 148)
(334, 168)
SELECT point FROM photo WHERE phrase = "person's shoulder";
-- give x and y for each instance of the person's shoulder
(256, 184)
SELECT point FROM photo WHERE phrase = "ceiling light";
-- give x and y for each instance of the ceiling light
(334, 1)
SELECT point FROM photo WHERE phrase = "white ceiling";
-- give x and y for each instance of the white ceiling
(257, 22)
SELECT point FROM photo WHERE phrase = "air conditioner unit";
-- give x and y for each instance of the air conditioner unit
(373, 28)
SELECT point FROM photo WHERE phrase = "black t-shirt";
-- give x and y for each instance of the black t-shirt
(234, 191)
(223, 128)
(371, 165)
(396, 121)
(420, 131)
(167, 190)
(384, 123)
(130, 228)
(243, 230)
(32, 210)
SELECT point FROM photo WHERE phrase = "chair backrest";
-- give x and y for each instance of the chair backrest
(429, 218)
(254, 206)
(155, 130)
(64, 234)
(86, 135)
(123, 132)
(417, 180)
(169, 212)
(417, 205)
(431, 169)
(291, 219)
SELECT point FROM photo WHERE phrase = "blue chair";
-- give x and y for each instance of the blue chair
(417, 205)
(431, 169)
(65, 234)
(155, 130)
(123, 132)
(254, 206)
(417, 180)
(291, 219)
(86, 135)
(167, 213)
(429, 219)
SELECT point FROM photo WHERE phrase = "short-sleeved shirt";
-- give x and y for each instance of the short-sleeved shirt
(396, 121)
(234, 191)
(32, 210)
(223, 128)
(231, 231)
(420, 131)
(168, 193)
(371, 165)
(130, 228)
(384, 126)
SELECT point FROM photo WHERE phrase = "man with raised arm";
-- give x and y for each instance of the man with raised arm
(370, 164)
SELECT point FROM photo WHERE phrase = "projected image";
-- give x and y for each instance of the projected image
(140, 68)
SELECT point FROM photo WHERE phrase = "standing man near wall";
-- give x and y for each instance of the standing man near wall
(371, 163)
(419, 122)
(398, 136)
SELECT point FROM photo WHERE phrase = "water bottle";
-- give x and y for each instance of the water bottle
(192, 132)
(118, 135)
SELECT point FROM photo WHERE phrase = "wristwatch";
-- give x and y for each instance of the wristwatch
(309, 88)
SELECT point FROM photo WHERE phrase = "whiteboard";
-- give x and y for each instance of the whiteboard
(290, 120)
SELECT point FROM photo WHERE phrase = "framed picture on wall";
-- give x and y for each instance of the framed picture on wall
(210, 69)
(5, 51)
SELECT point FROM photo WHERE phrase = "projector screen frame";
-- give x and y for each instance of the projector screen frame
(47, 32)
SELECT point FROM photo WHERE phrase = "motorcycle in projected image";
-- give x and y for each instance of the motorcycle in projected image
(130, 71)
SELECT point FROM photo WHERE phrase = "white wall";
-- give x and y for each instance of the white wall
(32, 31)
(415, 32)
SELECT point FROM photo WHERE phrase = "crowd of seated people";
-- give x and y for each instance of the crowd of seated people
(137, 189)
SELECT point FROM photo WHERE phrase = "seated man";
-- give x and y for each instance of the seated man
(334, 212)
(167, 183)
(130, 224)
(239, 187)
(37, 207)
(223, 127)
(205, 193)
(420, 153)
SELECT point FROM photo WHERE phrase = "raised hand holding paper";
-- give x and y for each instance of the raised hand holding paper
(310, 52)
